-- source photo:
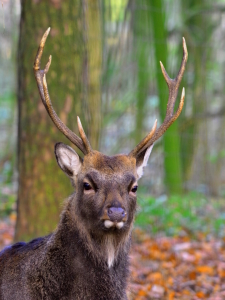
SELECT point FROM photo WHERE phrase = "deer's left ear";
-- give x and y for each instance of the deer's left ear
(142, 160)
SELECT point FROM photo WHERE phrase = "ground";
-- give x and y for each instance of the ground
(177, 268)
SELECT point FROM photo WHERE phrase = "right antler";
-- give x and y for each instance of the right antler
(173, 85)
(40, 75)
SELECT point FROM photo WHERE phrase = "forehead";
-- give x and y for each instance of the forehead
(109, 165)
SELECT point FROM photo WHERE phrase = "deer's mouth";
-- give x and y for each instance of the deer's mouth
(113, 224)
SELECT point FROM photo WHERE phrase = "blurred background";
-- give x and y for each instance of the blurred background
(106, 69)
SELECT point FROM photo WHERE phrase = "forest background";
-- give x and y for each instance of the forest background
(106, 69)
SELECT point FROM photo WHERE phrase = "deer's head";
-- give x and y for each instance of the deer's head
(106, 186)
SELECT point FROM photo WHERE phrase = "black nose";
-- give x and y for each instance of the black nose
(116, 214)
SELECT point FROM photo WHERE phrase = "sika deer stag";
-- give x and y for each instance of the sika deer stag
(87, 255)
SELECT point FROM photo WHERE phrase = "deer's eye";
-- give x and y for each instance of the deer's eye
(87, 186)
(134, 189)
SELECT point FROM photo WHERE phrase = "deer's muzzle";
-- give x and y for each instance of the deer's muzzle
(116, 214)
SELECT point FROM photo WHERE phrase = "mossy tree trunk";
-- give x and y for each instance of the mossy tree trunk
(171, 139)
(42, 185)
(141, 33)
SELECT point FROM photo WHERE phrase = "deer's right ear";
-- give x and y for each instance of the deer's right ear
(68, 160)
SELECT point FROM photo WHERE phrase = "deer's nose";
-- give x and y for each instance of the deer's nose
(116, 214)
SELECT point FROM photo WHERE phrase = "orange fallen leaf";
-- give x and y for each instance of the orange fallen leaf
(142, 293)
(205, 269)
(192, 275)
(221, 273)
(200, 295)
(170, 281)
(171, 295)
(155, 277)
(12, 217)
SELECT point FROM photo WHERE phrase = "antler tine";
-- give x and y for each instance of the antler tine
(40, 75)
(83, 135)
(173, 85)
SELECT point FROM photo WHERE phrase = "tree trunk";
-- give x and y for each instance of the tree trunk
(141, 32)
(171, 139)
(196, 37)
(93, 62)
(42, 186)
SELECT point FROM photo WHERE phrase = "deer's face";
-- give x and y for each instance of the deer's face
(108, 186)
(105, 187)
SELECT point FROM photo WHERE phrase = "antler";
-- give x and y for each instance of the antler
(173, 85)
(40, 75)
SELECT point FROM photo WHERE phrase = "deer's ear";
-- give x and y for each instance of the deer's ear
(68, 160)
(142, 160)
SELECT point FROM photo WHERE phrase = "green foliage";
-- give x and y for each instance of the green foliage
(7, 204)
(191, 213)
(117, 13)
(214, 158)
(7, 191)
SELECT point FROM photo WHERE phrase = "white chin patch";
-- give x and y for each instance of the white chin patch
(119, 225)
(109, 224)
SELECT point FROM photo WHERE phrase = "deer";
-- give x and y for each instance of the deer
(87, 256)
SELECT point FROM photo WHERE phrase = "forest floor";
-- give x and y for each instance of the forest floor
(166, 267)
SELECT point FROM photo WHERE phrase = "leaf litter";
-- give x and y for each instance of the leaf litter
(177, 267)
